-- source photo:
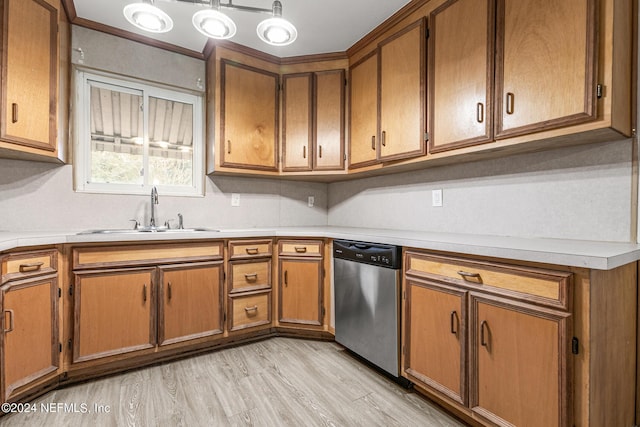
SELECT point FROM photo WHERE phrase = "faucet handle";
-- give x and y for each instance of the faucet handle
(135, 223)
(167, 223)
(180, 222)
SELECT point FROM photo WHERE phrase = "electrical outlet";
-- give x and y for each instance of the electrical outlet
(235, 199)
(436, 198)
(311, 201)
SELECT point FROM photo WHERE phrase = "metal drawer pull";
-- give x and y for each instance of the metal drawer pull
(252, 251)
(251, 277)
(483, 342)
(373, 143)
(510, 102)
(301, 249)
(454, 322)
(14, 113)
(466, 275)
(32, 266)
(10, 321)
(169, 290)
(480, 112)
(144, 292)
(249, 309)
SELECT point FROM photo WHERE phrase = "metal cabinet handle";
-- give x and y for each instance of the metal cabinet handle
(480, 112)
(483, 325)
(228, 146)
(286, 278)
(14, 113)
(248, 309)
(466, 275)
(373, 143)
(10, 321)
(252, 251)
(320, 151)
(301, 249)
(169, 290)
(384, 138)
(251, 277)
(304, 152)
(510, 102)
(32, 266)
(454, 322)
(144, 292)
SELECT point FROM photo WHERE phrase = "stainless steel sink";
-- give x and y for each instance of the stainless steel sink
(148, 230)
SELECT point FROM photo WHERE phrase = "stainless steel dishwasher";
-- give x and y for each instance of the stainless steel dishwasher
(367, 301)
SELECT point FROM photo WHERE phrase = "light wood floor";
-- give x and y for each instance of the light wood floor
(276, 382)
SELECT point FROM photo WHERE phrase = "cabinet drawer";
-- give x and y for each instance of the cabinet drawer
(301, 248)
(22, 265)
(98, 257)
(249, 275)
(239, 249)
(249, 310)
(546, 287)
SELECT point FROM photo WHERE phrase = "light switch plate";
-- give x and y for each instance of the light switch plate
(311, 201)
(235, 199)
(436, 198)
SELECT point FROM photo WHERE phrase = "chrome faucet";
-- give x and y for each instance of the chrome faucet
(154, 201)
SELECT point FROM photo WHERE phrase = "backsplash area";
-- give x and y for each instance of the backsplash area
(582, 192)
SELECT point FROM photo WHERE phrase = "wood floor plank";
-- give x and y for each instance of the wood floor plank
(275, 382)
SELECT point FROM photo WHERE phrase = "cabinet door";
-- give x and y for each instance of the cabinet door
(190, 302)
(300, 291)
(329, 120)
(545, 65)
(29, 333)
(297, 122)
(29, 73)
(113, 313)
(402, 87)
(435, 338)
(518, 366)
(363, 112)
(249, 117)
(461, 74)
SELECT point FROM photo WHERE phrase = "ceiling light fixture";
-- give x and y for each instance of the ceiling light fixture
(275, 31)
(147, 17)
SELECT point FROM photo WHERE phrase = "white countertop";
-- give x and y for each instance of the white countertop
(576, 253)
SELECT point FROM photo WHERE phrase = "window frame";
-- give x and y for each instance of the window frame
(82, 147)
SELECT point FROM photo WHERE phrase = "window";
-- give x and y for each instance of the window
(131, 136)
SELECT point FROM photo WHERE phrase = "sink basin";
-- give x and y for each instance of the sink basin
(148, 230)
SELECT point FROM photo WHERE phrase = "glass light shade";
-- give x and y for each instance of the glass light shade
(148, 17)
(277, 31)
(214, 24)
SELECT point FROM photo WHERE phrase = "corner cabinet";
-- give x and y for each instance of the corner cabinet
(30, 58)
(249, 102)
(313, 121)
(387, 115)
(30, 346)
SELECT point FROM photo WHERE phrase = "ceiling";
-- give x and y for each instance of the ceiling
(324, 26)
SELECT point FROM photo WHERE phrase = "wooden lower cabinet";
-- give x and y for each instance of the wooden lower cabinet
(114, 312)
(300, 291)
(435, 341)
(518, 363)
(30, 345)
(249, 310)
(190, 301)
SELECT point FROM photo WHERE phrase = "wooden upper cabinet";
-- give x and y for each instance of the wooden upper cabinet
(402, 86)
(297, 122)
(249, 117)
(30, 74)
(461, 74)
(545, 65)
(363, 111)
(313, 121)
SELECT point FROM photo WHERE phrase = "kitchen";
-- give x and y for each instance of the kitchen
(492, 205)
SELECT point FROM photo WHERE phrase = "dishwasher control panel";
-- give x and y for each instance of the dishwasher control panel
(368, 253)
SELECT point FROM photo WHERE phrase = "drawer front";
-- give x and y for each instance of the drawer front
(249, 275)
(312, 248)
(239, 249)
(250, 310)
(98, 257)
(21, 265)
(546, 287)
